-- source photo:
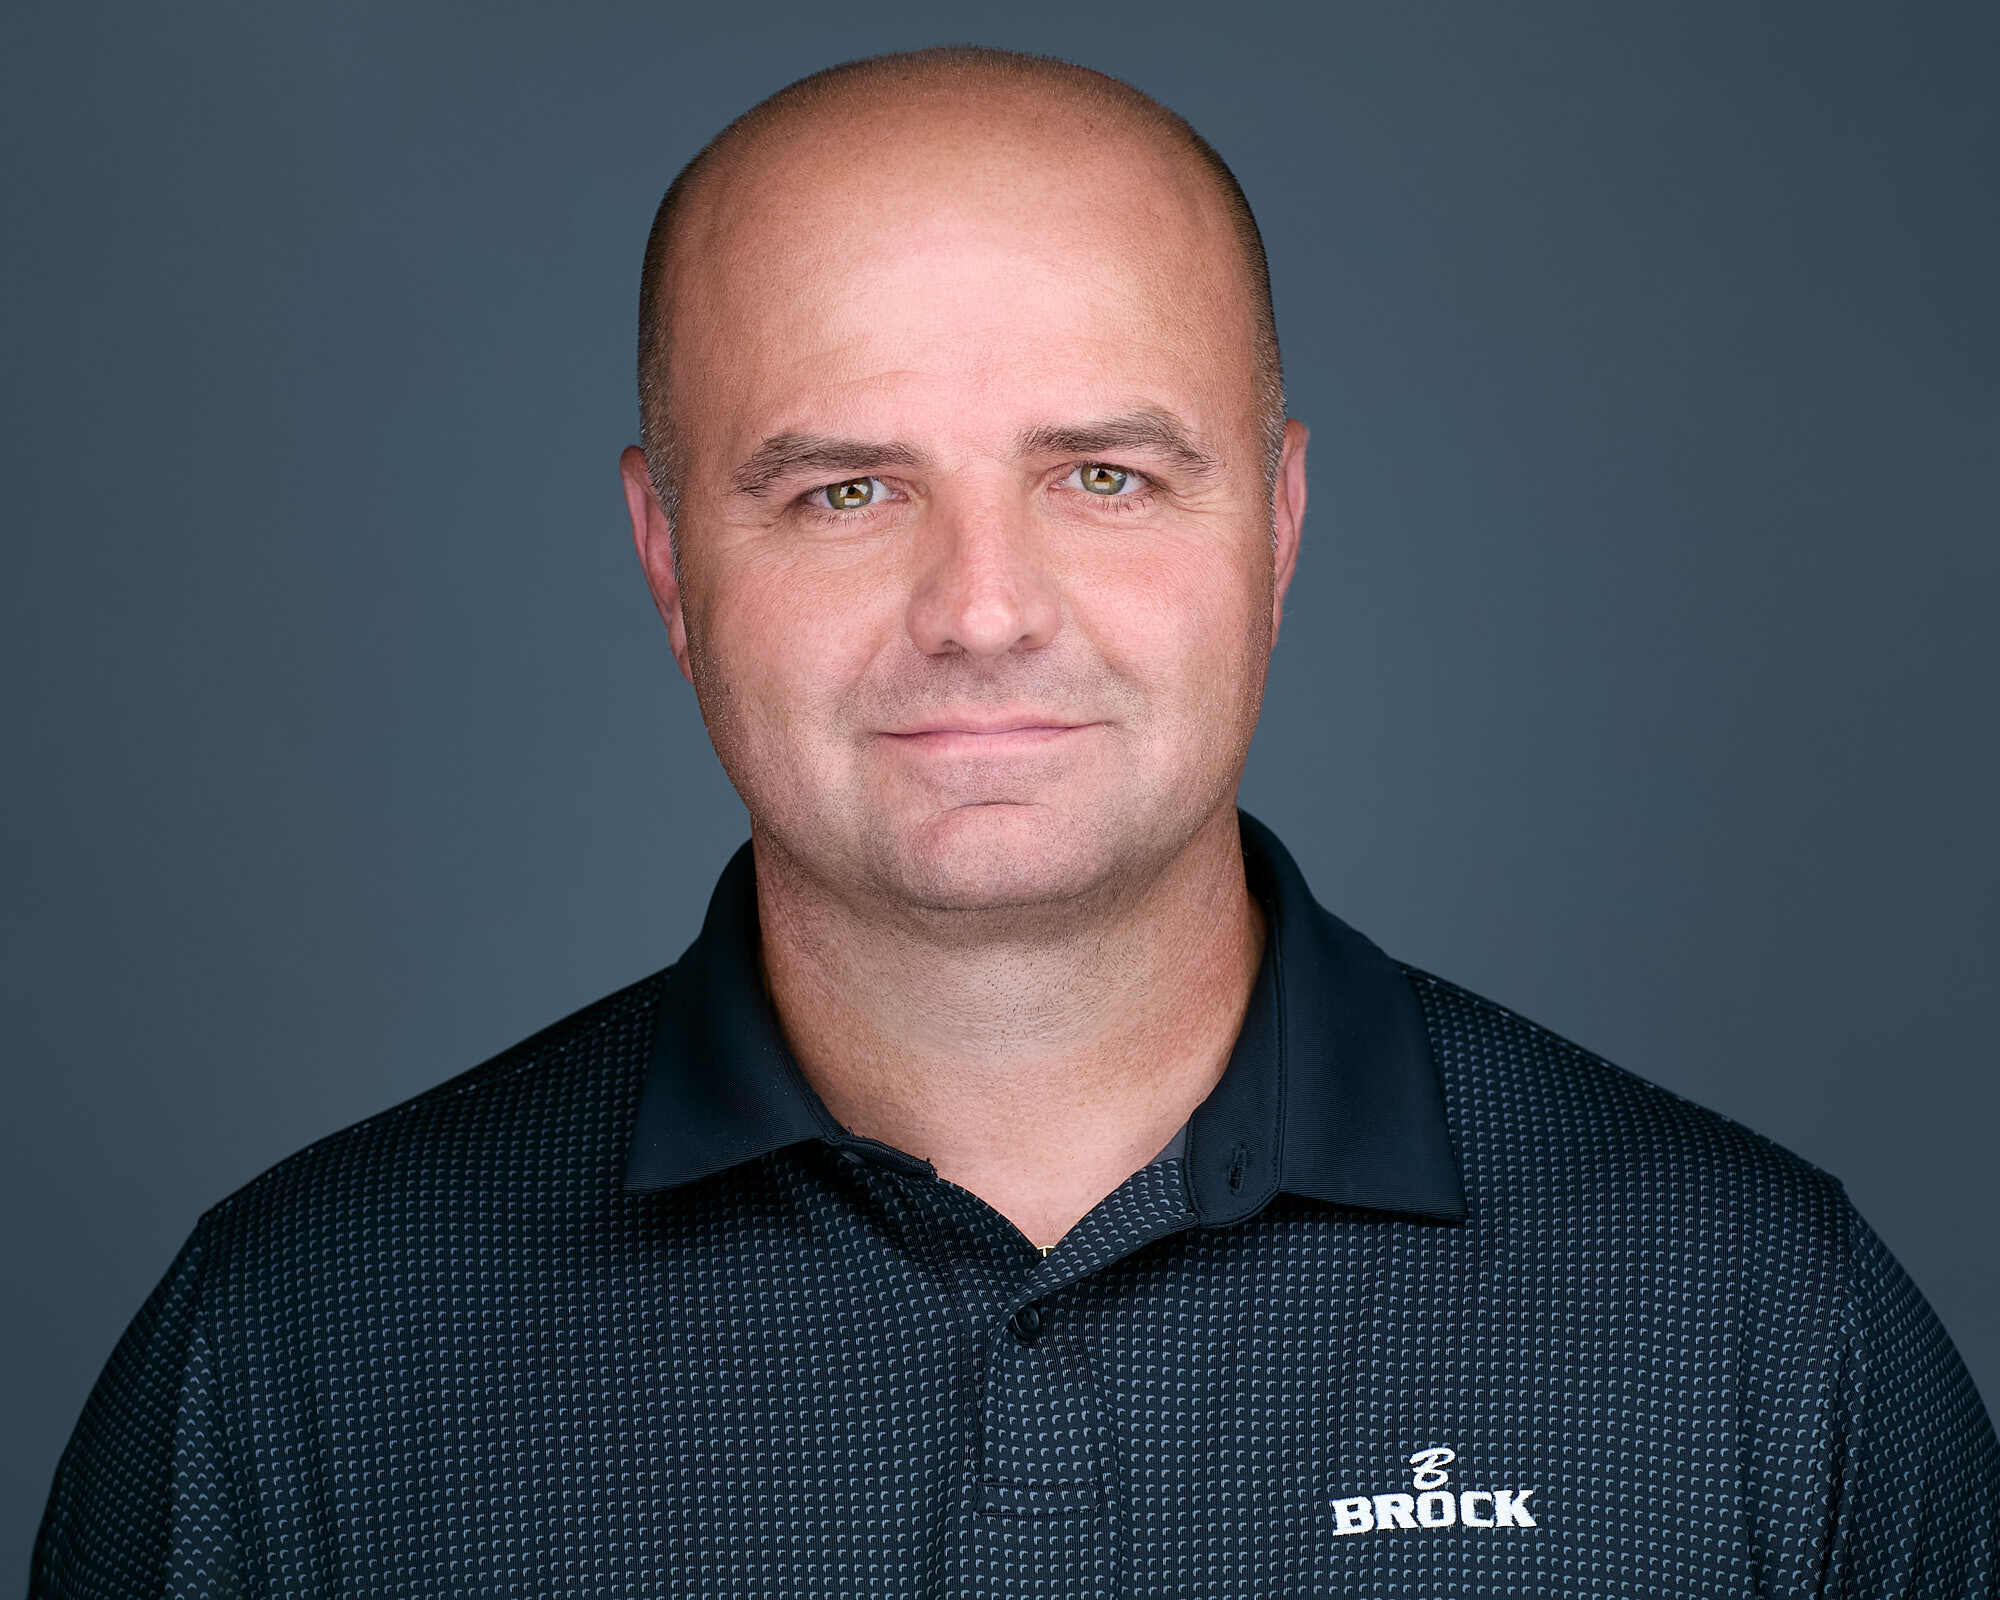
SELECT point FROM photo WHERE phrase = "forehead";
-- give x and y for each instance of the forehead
(918, 247)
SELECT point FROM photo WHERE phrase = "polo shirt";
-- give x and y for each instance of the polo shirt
(1424, 1301)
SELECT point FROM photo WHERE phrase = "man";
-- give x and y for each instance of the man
(1022, 1186)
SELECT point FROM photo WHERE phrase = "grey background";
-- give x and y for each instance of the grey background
(1639, 672)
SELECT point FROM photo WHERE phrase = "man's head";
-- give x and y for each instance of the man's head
(958, 375)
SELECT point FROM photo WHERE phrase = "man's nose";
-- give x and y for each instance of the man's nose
(982, 588)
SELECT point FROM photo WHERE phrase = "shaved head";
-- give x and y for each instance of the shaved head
(1036, 108)
(968, 497)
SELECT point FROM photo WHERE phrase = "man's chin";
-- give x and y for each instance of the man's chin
(1000, 857)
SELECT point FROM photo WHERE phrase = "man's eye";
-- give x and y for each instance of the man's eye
(1097, 478)
(850, 495)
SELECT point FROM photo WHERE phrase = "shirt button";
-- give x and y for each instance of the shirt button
(1027, 1324)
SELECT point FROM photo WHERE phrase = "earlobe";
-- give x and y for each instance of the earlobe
(652, 538)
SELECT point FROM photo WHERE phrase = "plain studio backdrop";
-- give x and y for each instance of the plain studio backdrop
(1639, 673)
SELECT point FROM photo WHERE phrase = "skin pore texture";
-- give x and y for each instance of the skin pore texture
(979, 575)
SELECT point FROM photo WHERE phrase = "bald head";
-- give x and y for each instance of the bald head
(1044, 121)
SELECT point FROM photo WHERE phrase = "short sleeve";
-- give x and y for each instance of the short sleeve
(1917, 1506)
(142, 1507)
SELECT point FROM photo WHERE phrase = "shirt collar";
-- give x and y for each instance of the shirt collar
(1330, 1092)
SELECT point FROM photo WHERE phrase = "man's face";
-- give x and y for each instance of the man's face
(978, 582)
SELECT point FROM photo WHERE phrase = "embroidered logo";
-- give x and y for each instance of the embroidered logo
(1433, 1505)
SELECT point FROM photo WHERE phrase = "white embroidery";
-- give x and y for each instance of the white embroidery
(1433, 1506)
(1430, 1465)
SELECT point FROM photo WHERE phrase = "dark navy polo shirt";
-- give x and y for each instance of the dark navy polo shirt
(1427, 1304)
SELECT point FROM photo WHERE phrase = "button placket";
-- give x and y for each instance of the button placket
(1039, 1517)
(1045, 1438)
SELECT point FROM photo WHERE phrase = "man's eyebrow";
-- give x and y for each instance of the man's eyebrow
(1147, 428)
(784, 455)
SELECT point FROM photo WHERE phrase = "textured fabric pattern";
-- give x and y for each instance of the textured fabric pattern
(452, 1352)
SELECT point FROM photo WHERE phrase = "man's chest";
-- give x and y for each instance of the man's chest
(1289, 1406)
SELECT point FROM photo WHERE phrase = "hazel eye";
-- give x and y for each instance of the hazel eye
(849, 496)
(1098, 478)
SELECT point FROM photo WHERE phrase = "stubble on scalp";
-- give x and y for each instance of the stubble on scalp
(951, 78)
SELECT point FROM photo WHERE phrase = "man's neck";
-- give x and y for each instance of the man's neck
(1037, 1073)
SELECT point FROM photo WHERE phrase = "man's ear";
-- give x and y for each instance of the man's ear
(1288, 515)
(652, 537)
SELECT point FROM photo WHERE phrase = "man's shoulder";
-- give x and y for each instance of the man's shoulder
(547, 1116)
(1539, 1118)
